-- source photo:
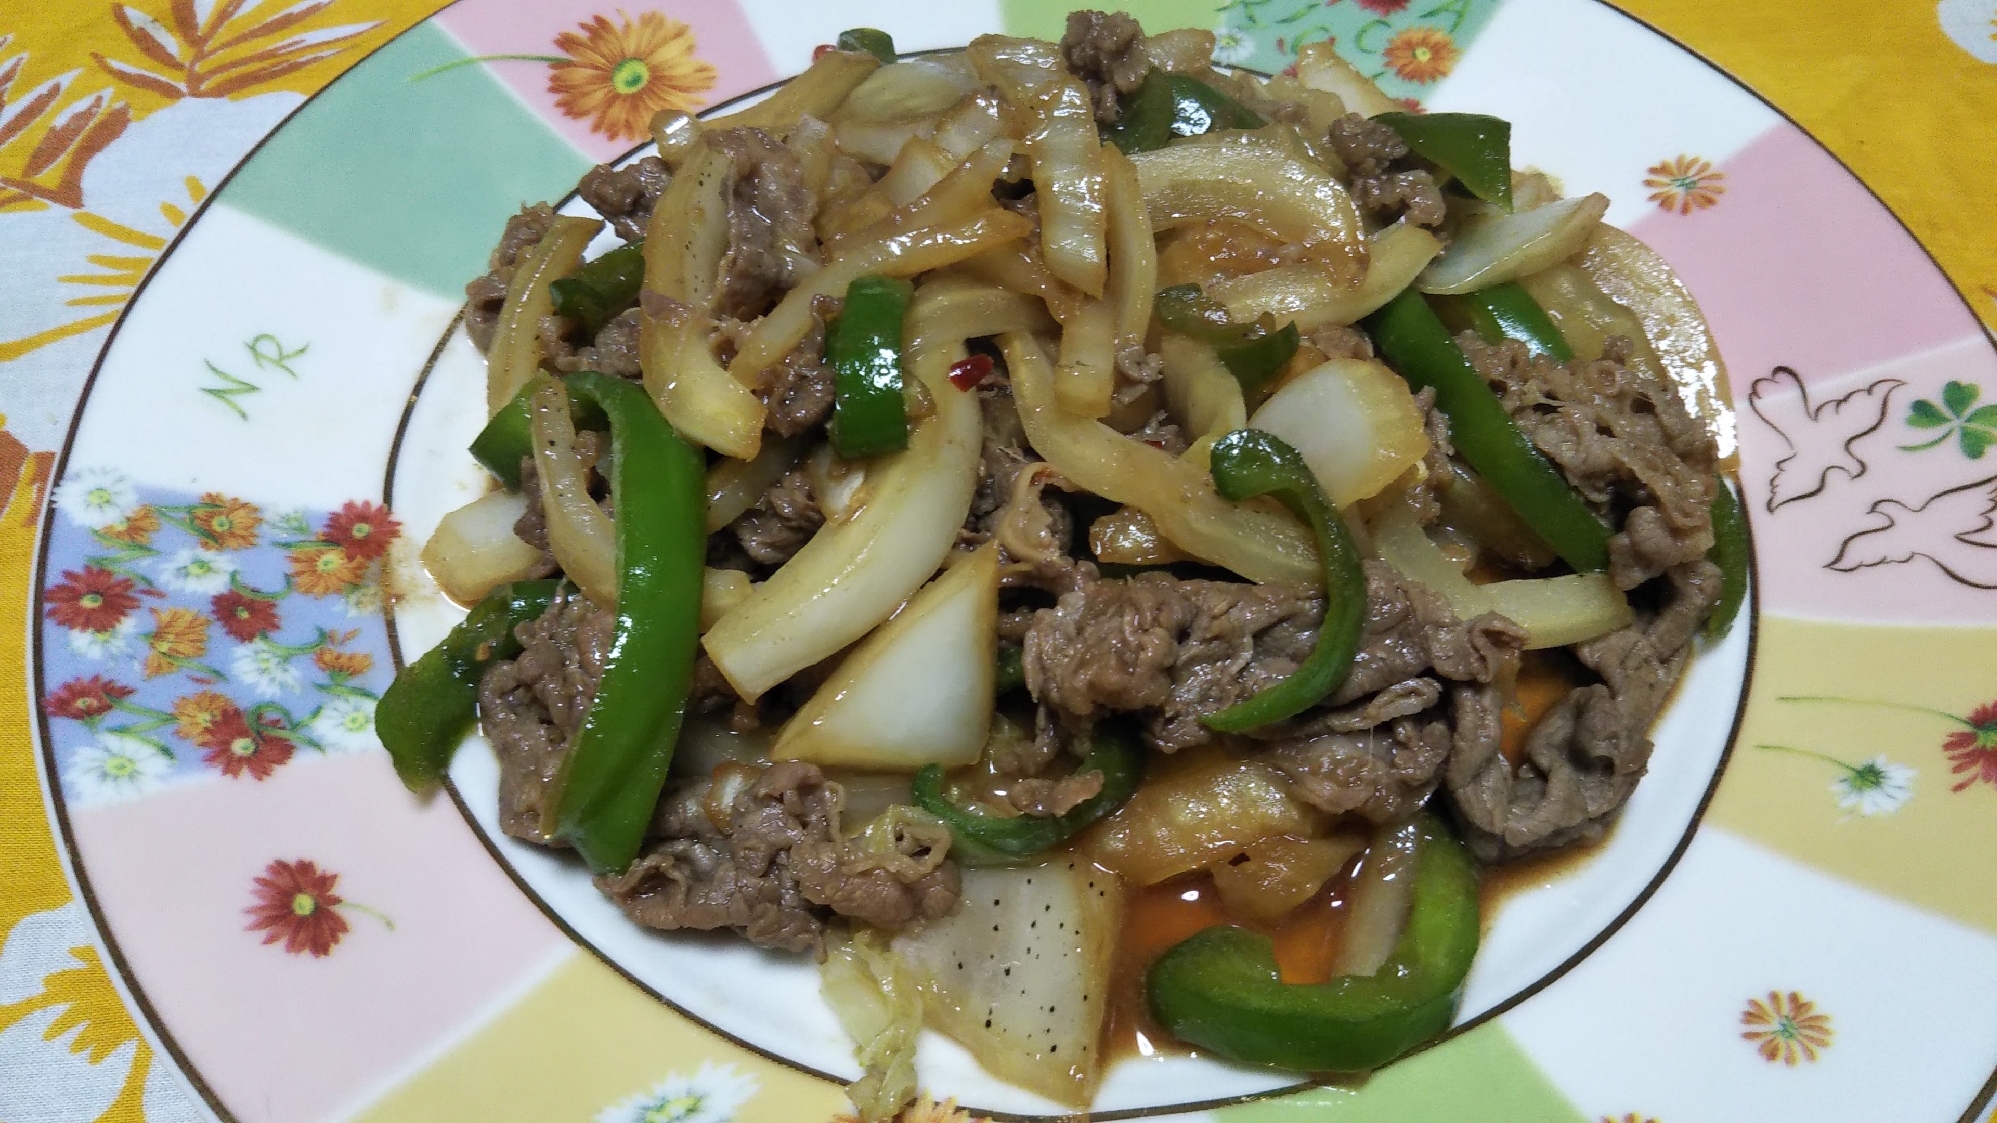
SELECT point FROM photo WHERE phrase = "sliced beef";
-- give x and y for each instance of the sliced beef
(781, 522)
(1410, 631)
(771, 242)
(486, 295)
(530, 707)
(1384, 183)
(798, 394)
(1106, 51)
(1622, 437)
(774, 864)
(1339, 341)
(1159, 431)
(1383, 773)
(1011, 500)
(1044, 798)
(1587, 753)
(625, 196)
(613, 351)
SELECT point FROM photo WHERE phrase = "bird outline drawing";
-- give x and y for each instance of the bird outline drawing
(1952, 529)
(1819, 437)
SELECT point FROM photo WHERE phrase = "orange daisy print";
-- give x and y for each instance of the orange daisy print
(179, 636)
(1421, 54)
(320, 570)
(619, 76)
(1685, 184)
(1786, 1028)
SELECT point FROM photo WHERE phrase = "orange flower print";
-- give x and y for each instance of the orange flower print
(348, 663)
(320, 570)
(179, 636)
(198, 715)
(1685, 184)
(230, 524)
(1421, 54)
(618, 77)
(136, 528)
(1786, 1028)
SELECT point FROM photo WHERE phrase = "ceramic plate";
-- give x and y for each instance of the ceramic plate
(1794, 919)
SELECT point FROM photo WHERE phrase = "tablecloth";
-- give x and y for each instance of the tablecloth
(117, 119)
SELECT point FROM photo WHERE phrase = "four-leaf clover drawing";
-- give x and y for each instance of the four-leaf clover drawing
(1974, 427)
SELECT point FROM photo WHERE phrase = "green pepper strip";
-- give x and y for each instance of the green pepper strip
(872, 40)
(1504, 312)
(1220, 989)
(1168, 105)
(1474, 148)
(429, 708)
(601, 288)
(1731, 553)
(1253, 352)
(1247, 463)
(1011, 668)
(990, 840)
(1413, 342)
(869, 416)
(610, 780)
(508, 438)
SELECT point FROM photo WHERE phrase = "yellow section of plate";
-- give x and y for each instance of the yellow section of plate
(586, 1044)
(1871, 753)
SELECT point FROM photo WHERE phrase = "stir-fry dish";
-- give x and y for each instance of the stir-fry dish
(990, 498)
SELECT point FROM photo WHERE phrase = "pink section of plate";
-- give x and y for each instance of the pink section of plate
(1799, 266)
(282, 1034)
(722, 40)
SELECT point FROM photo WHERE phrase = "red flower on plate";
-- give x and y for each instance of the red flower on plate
(91, 599)
(243, 617)
(236, 746)
(363, 530)
(1973, 751)
(1383, 7)
(86, 699)
(295, 903)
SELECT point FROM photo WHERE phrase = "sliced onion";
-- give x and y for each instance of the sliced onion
(1280, 873)
(970, 125)
(721, 590)
(580, 535)
(1127, 536)
(733, 486)
(1314, 297)
(1197, 808)
(818, 92)
(979, 309)
(1182, 50)
(688, 232)
(1178, 494)
(1254, 180)
(1554, 611)
(516, 349)
(1200, 391)
(838, 486)
(1492, 247)
(1133, 251)
(1354, 422)
(1064, 146)
(1019, 268)
(918, 690)
(1382, 893)
(1320, 67)
(1087, 374)
(908, 89)
(960, 194)
(702, 399)
(474, 549)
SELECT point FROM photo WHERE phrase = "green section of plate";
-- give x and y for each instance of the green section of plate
(1045, 19)
(1480, 1077)
(414, 176)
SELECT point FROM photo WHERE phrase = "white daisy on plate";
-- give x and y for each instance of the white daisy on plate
(115, 768)
(344, 724)
(106, 644)
(197, 570)
(710, 1095)
(265, 667)
(1231, 47)
(94, 498)
(1877, 787)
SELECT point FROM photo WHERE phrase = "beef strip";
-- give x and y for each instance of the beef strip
(613, 351)
(531, 706)
(773, 864)
(1587, 753)
(1623, 439)
(771, 241)
(798, 392)
(1011, 492)
(1383, 773)
(1106, 51)
(1339, 341)
(625, 196)
(486, 295)
(1384, 183)
(1044, 798)
(781, 522)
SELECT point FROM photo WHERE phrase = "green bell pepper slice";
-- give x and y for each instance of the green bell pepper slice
(1414, 343)
(1504, 312)
(992, 840)
(508, 438)
(1247, 463)
(1166, 105)
(1253, 352)
(1732, 553)
(610, 780)
(602, 287)
(871, 40)
(1011, 671)
(869, 415)
(1220, 989)
(1473, 147)
(426, 712)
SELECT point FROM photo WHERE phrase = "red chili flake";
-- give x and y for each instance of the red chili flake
(1155, 443)
(966, 374)
(818, 52)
